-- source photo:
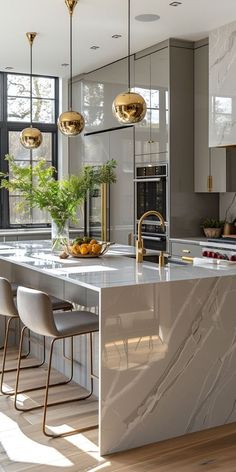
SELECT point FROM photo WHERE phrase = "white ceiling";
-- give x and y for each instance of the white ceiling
(95, 21)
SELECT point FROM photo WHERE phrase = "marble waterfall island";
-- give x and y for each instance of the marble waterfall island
(167, 344)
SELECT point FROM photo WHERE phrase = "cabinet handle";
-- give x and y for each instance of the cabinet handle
(209, 183)
(186, 251)
(151, 141)
(130, 239)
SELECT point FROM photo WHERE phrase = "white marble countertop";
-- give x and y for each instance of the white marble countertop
(111, 270)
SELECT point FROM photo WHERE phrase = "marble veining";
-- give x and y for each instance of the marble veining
(191, 385)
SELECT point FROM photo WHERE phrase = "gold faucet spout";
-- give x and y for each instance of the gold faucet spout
(139, 242)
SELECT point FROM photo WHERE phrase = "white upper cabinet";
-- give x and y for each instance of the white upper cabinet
(209, 164)
(151, 76)
(222, 86)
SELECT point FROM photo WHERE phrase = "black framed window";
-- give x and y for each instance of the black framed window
(14, 117)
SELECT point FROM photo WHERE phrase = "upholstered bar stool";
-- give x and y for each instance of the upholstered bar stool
(9, 311)
(35, 311)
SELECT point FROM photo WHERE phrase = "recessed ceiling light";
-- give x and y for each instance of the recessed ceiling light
(116, 36)
(64, 64)
(175, 4)
(9, 68)
(147, 17)
(95, 47)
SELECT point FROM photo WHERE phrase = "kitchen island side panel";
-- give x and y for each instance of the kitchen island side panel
(168, 356)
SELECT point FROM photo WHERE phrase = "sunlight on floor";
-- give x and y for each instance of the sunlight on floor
(20, 448)
(86, 445)
(100, 467)
(80, 441)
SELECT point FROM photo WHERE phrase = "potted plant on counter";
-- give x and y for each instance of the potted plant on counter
(61, 198)
(212, 228)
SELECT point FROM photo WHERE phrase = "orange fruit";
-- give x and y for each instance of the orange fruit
(96, 248)
(84, 249)
(93, 241)
(90, 248)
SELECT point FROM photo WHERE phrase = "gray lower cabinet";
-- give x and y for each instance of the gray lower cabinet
(181, 249)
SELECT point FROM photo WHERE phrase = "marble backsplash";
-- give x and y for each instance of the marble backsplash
(227, 208)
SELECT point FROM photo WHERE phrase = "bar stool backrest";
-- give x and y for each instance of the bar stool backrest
(35, 311)
(7, 305)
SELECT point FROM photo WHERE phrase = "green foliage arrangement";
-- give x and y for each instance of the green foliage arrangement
(212, 223)
(60, 198)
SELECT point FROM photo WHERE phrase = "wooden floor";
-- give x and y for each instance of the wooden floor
(23, 447)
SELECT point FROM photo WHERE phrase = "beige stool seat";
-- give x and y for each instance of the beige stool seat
(35, 311)
(57, 303)
(8, 309)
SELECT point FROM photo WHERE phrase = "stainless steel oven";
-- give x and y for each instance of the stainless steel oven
(151, 194)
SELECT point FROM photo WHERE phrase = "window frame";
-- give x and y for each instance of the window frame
(8, 126)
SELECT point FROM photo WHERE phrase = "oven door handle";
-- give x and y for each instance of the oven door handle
(154, 179)
(152, 238)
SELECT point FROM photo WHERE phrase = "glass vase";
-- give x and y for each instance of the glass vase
(60, 235)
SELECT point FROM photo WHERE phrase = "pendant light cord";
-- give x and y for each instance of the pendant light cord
(31, 84)
(129, 45)
(70, 93)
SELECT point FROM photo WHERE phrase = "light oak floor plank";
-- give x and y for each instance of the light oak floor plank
(23, 447)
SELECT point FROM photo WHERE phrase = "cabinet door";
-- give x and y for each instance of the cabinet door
(142, 86)
(185, 249)
(201, 150)
(96, 148)
(222, 92)
(159, 100)
(209, 164)
(122, 192)
(99, 89)
(151, 81)
(218, 169)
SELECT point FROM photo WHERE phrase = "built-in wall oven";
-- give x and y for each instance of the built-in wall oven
(151, 194)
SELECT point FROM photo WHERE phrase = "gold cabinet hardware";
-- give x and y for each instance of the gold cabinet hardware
(186, 251)
(104, 211)
(187, 259)
(209, 183)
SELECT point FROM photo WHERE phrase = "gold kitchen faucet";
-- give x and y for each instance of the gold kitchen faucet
(140, 251)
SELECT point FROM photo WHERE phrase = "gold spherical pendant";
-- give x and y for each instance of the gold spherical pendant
(129, 107)
(71, 123)
(31, 138)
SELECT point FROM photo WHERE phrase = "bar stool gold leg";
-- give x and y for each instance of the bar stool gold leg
(42, 387)
(47, 386)
(46, 405)
(4, 371)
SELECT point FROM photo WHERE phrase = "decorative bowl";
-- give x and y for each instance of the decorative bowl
(104, 248)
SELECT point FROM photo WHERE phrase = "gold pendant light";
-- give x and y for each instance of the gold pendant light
(70, 122)
(129, 107)
(31, 138)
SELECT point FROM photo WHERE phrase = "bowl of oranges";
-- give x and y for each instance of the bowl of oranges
(87, 247)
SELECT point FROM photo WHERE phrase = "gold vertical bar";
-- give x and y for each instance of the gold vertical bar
(104, 211)
(209, 183)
